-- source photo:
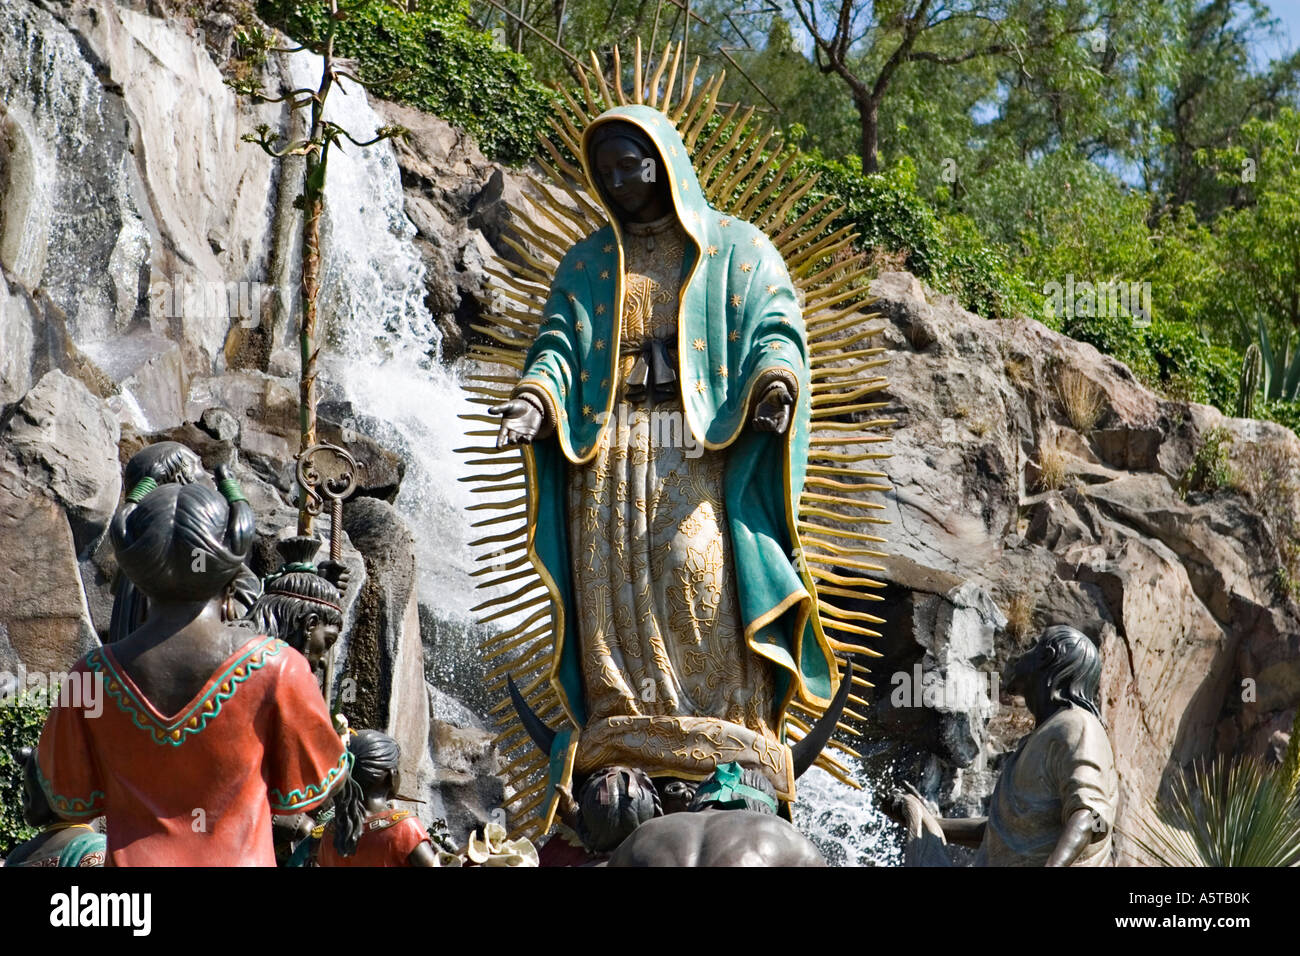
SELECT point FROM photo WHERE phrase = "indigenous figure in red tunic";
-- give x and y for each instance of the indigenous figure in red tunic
(366, 829)
(190, 729)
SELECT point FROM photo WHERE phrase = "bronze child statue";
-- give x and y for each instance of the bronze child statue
(367, 830)
(203, 725)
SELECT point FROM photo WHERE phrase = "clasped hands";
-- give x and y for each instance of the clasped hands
(524, 418)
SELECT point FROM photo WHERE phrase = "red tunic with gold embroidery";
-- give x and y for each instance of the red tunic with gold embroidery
(193, 789)
(388, 839)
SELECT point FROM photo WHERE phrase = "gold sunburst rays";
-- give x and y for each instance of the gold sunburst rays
(746, 172)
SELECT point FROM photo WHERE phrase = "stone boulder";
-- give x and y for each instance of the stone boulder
(63, 439)
(465, 789)
(383, 682)
(44, 621)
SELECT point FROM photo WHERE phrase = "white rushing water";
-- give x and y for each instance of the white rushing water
(383, 356)
(846, 824)
(383, 348)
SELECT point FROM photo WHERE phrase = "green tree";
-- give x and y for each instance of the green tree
(1262, 237)
(1064, 70)
(1218, 89)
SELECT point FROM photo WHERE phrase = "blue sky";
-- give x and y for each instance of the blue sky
(1289, 11)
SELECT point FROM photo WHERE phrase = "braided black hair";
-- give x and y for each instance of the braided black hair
(181, 542)
(374, 756)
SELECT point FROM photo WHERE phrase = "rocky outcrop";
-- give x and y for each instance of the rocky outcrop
(456, 199)
(1004, 488)
(62, 439)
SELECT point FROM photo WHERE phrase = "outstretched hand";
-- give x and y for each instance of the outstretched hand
(521, 420)
(772, 413)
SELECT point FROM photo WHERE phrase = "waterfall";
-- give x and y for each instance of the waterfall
(382, 353)
(846, 824)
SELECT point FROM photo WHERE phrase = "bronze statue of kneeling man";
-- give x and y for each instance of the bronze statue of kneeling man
(1055, 799)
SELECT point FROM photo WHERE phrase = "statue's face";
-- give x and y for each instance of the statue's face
(320, 638)
(628, 169)
(1028, 678)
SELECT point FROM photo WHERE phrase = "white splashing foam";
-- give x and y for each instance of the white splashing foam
(846, 824)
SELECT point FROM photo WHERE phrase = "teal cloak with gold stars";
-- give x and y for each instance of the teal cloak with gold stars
(739, 313)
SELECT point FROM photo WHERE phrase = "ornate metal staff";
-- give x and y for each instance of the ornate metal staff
(327, 472)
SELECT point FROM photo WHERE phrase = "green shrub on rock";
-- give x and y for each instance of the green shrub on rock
(889, 214)
(433, 60)
(1170, 357)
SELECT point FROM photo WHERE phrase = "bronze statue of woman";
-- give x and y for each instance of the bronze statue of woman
(191, 731)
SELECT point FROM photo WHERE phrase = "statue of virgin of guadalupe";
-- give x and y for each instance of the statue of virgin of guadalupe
(665, 406)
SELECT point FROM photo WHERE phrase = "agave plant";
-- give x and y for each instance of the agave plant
(1229, 813)
(1281, 370)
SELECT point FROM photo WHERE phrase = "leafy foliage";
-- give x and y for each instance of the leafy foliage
(1170, 357)
(21, 721)
(1261, 236)
(432, 59)
(889, 213)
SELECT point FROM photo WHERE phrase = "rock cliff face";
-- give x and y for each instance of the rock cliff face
(1031, 470)
(147, 290)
